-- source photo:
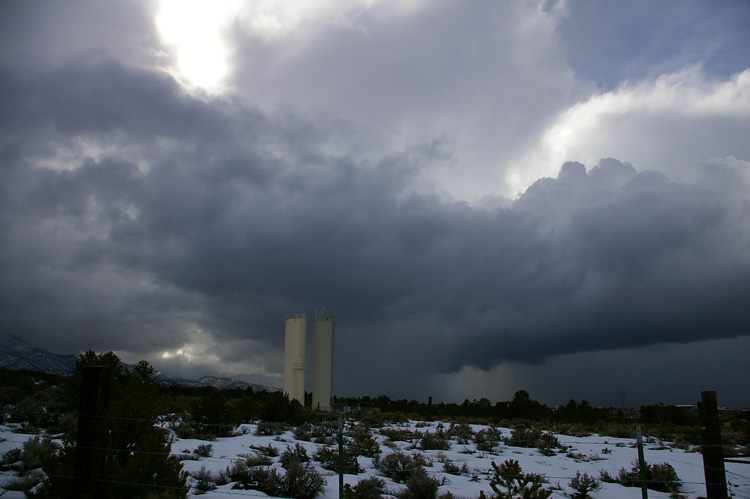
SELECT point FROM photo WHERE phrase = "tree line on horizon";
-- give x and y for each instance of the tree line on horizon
(26, 389)
(29, 391)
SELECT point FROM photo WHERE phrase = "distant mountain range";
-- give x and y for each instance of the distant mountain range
(17, 354)
(220, 383)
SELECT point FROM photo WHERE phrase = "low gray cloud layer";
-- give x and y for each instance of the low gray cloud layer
(135, 217)
(408, 163)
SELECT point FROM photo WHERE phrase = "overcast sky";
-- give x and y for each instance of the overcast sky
(494, 195)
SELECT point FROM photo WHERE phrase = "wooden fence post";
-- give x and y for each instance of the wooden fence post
(713, 455)
(93, 432)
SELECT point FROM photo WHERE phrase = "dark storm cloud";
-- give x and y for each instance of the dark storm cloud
(486, 75)
(40, 33)
(133, 212)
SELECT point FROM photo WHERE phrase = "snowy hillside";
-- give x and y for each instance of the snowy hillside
(218, 382)
(16, 354)
(590, 455)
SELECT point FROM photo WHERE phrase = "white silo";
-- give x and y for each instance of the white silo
(295, 326)
(322, 389)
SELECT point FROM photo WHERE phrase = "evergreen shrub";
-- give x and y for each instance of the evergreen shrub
(583, 485)
(399, 467)
(660, 477)
(420, 486)
(296, 454)
(329, 460)
(205, 482)
(509, 482)
(368, 488)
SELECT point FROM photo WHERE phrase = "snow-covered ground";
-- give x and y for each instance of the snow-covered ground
(592, 454)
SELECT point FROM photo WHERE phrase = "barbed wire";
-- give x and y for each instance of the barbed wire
(434, 472)
(163, 421)
(166, 421)
(175, 419)
(736, 474)
(155, 486)
(550, 417)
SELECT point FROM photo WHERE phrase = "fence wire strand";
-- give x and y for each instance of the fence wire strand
(165, 422)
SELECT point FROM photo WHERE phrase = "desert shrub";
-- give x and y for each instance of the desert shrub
(401, 435)
(187, 456)
(257, 458)
(303, 432)
(301, 482)
(607, 477)
(24, 482)
(363, 443)
(185, 430)
(509, 482)
(266, 480)
(530, 438)
(245, 477)
(434, 441)
(487, 440)
(368, 488)
(373, 418)
(574, 430)
(11, 459)
(462, 432)
(583, 484)
(38, 452)
(576, 456)
(324, 433)
(663, 477)
(238, 472)
(660, 477)
(420, 486)
(205, 481)
(329, 460)
(617, 431)
(42, 409)
(267, 450)
(400, 467)
(269, 429)
(453, 469)
(204, 450)
(296, 454)
(547, 451)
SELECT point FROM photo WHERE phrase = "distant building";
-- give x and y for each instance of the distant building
(295, 326)
(322, 389)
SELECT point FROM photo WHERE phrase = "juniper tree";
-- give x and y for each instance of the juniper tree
(137, 461)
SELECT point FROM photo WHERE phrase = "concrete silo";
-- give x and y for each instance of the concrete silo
(294, 356)
(322, 389)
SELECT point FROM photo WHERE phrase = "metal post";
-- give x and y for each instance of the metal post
(341, 455)
(641, 462)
